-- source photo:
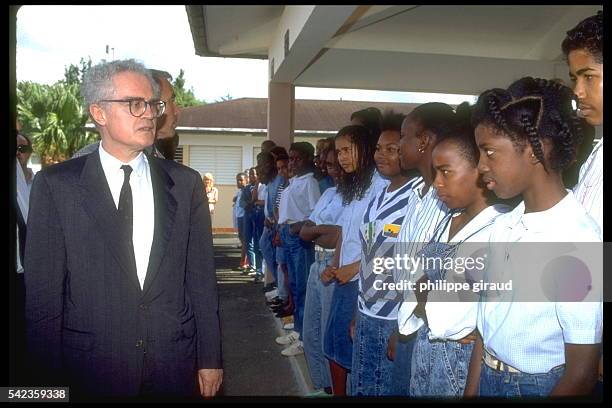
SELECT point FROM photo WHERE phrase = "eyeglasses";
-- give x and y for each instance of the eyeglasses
(24, 149)
(138, 106)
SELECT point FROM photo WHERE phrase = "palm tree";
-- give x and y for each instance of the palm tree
(54, 117)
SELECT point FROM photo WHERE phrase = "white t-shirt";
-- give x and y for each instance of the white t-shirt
(531, 336)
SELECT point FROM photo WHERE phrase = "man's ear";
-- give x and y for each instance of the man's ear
(97, 114)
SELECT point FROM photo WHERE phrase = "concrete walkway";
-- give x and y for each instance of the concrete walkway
(253, 365)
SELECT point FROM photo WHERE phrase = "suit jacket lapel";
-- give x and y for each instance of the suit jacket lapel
(98, 202)
(165, 211)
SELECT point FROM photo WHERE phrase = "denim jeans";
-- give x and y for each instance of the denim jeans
(372, 371)
(252, 244)
(268, 251)
(316, 312)
(282, 286)
(495, 383)
(402, 366)
(337, 344)
(300, 255)
(439, 368)
(257, 221)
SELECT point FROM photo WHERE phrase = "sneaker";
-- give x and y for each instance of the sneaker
(295, 349)
(318, 394)
(257, 279)
(253, 273)
(271, 295)
(288, 326)
(290, 338)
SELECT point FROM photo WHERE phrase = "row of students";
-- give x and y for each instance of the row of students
(517, 144)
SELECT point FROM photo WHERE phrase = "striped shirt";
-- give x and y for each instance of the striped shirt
(423, 214)
(589, 190)
(381, 222)
(280, 189)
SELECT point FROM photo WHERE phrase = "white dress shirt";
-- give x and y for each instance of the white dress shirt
(23, 201)
(142, 199)
(589, 190)
(298, 199)
(531, 336)
(455, 320)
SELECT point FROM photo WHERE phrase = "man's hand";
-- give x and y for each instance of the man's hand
(210, 380)
(352, 329)
(268, 223)
(328, 274)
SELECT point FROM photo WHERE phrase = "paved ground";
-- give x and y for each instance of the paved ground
(253, 364)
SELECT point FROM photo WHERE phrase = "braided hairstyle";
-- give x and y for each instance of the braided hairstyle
(353, 186)
(587, 35)
(530, 110)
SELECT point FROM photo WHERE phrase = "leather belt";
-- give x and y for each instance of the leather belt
(496, 364)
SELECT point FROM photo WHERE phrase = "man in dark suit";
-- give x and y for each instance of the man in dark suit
(116, 304)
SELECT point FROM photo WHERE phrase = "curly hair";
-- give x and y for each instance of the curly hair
(528, 111)
(587, 35)
(462, 134)
(353, 186)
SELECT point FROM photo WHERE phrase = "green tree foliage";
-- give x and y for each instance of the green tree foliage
(54, 116)
(184, 97)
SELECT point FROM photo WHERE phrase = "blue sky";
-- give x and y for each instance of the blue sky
(52, 37)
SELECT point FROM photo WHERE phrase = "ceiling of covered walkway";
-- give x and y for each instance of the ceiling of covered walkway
(447, 49)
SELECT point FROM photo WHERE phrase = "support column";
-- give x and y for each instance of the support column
(281, 113)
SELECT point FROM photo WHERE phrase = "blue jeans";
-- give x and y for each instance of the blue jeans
(439, 368)
(402, 365)
(252, 244)
(282, 286)
(372, 371)
(337, 343)
(268, 251)
(316, 312)
(300, 255)
(503, 384)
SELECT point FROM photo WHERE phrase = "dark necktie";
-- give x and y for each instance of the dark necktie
(125, 201)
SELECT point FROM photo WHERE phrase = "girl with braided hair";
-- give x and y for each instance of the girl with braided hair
(358, 184)
(527, 135)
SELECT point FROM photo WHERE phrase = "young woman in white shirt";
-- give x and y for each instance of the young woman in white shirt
(355, 151)
(443, 347)
(527, 135)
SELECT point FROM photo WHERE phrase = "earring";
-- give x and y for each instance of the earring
(422, 149)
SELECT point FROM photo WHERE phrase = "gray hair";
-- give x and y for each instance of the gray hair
(98, 80)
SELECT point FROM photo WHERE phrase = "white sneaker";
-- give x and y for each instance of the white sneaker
(295, 349)
(288, 326)
(290, 338)
(271, 294)
(252, 273)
